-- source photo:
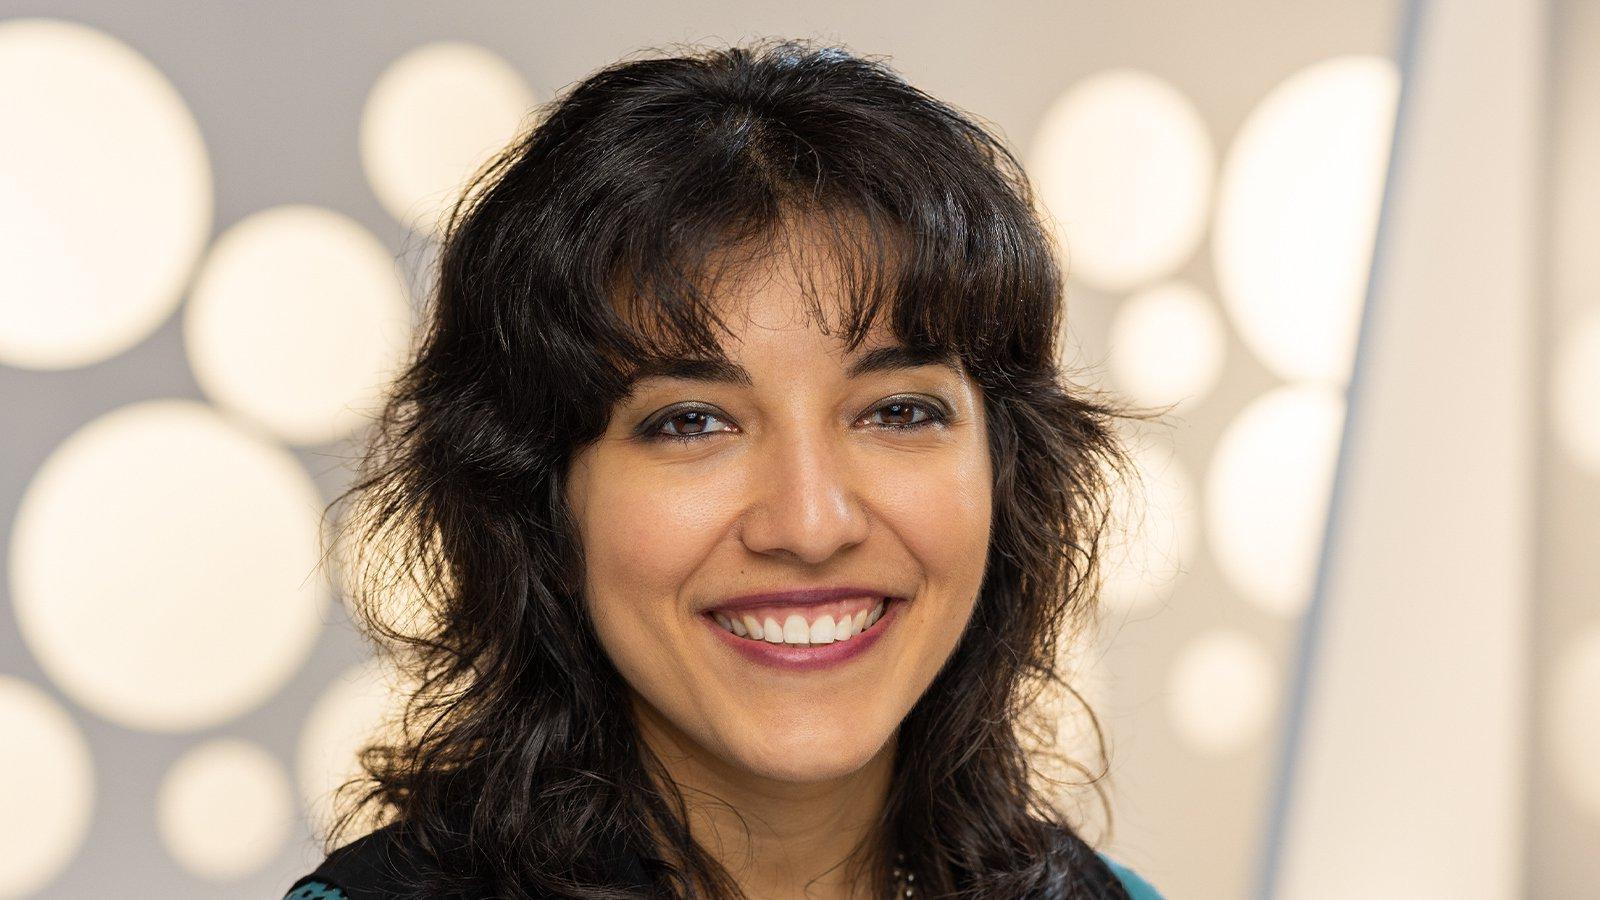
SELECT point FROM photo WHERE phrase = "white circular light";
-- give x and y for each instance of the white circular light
(1575, 406)
(1267, 493)
(164, 566)
(431, 120)
(106, 198)
(225, 809)
(1124, 166)
(1297, 212)
(1220, 692)
(1573, 717)
(299, 320)
(361, 706)
(1167, 346)
(47, 780)
(1153, 531)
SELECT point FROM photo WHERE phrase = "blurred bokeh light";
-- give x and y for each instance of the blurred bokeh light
(225, 809)
(1124, 165)
(1297, 212)
(105, 195)
(159, 566)
(47, 777)
(298, 320)
(431, 120)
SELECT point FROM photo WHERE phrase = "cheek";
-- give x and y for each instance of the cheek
(943, 515)
(628, 589)
(641, 536)
(643, 539)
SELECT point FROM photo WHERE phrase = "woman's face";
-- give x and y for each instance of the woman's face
(808, 477)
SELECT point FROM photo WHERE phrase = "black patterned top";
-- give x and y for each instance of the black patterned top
(356, 864)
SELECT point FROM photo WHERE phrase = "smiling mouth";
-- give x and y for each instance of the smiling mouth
(825, 623)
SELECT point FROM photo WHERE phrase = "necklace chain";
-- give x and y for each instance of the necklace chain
(904, 878)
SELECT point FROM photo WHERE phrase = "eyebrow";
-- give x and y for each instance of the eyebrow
(894, 357)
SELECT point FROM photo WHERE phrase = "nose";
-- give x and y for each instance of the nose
(805, 500)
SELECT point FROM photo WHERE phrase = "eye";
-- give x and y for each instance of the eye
(696, 419)
(906, 406)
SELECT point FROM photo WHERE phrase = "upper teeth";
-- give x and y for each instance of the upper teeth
(794, 629)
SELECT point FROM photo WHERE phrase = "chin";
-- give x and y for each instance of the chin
(808, 755)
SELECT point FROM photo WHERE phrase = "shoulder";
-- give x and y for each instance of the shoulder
(309, 888)
(383, 864)
(391, 863)
(1113, 873)
(1137, 887)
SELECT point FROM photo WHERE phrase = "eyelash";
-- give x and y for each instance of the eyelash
(653, 431)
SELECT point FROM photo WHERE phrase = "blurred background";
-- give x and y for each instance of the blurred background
(1351, 643)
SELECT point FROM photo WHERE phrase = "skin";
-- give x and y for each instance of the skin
(800, 479)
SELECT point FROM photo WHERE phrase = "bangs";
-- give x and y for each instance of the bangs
(936, 243)
(851, 268)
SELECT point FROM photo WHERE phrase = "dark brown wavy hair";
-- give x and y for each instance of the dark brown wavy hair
(591, 243)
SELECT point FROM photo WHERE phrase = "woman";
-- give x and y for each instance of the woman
(748, 505)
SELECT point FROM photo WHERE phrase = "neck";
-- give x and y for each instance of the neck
(813, 840)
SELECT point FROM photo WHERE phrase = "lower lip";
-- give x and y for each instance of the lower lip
(807, 658)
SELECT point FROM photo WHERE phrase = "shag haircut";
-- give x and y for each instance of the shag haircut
(592, 244)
